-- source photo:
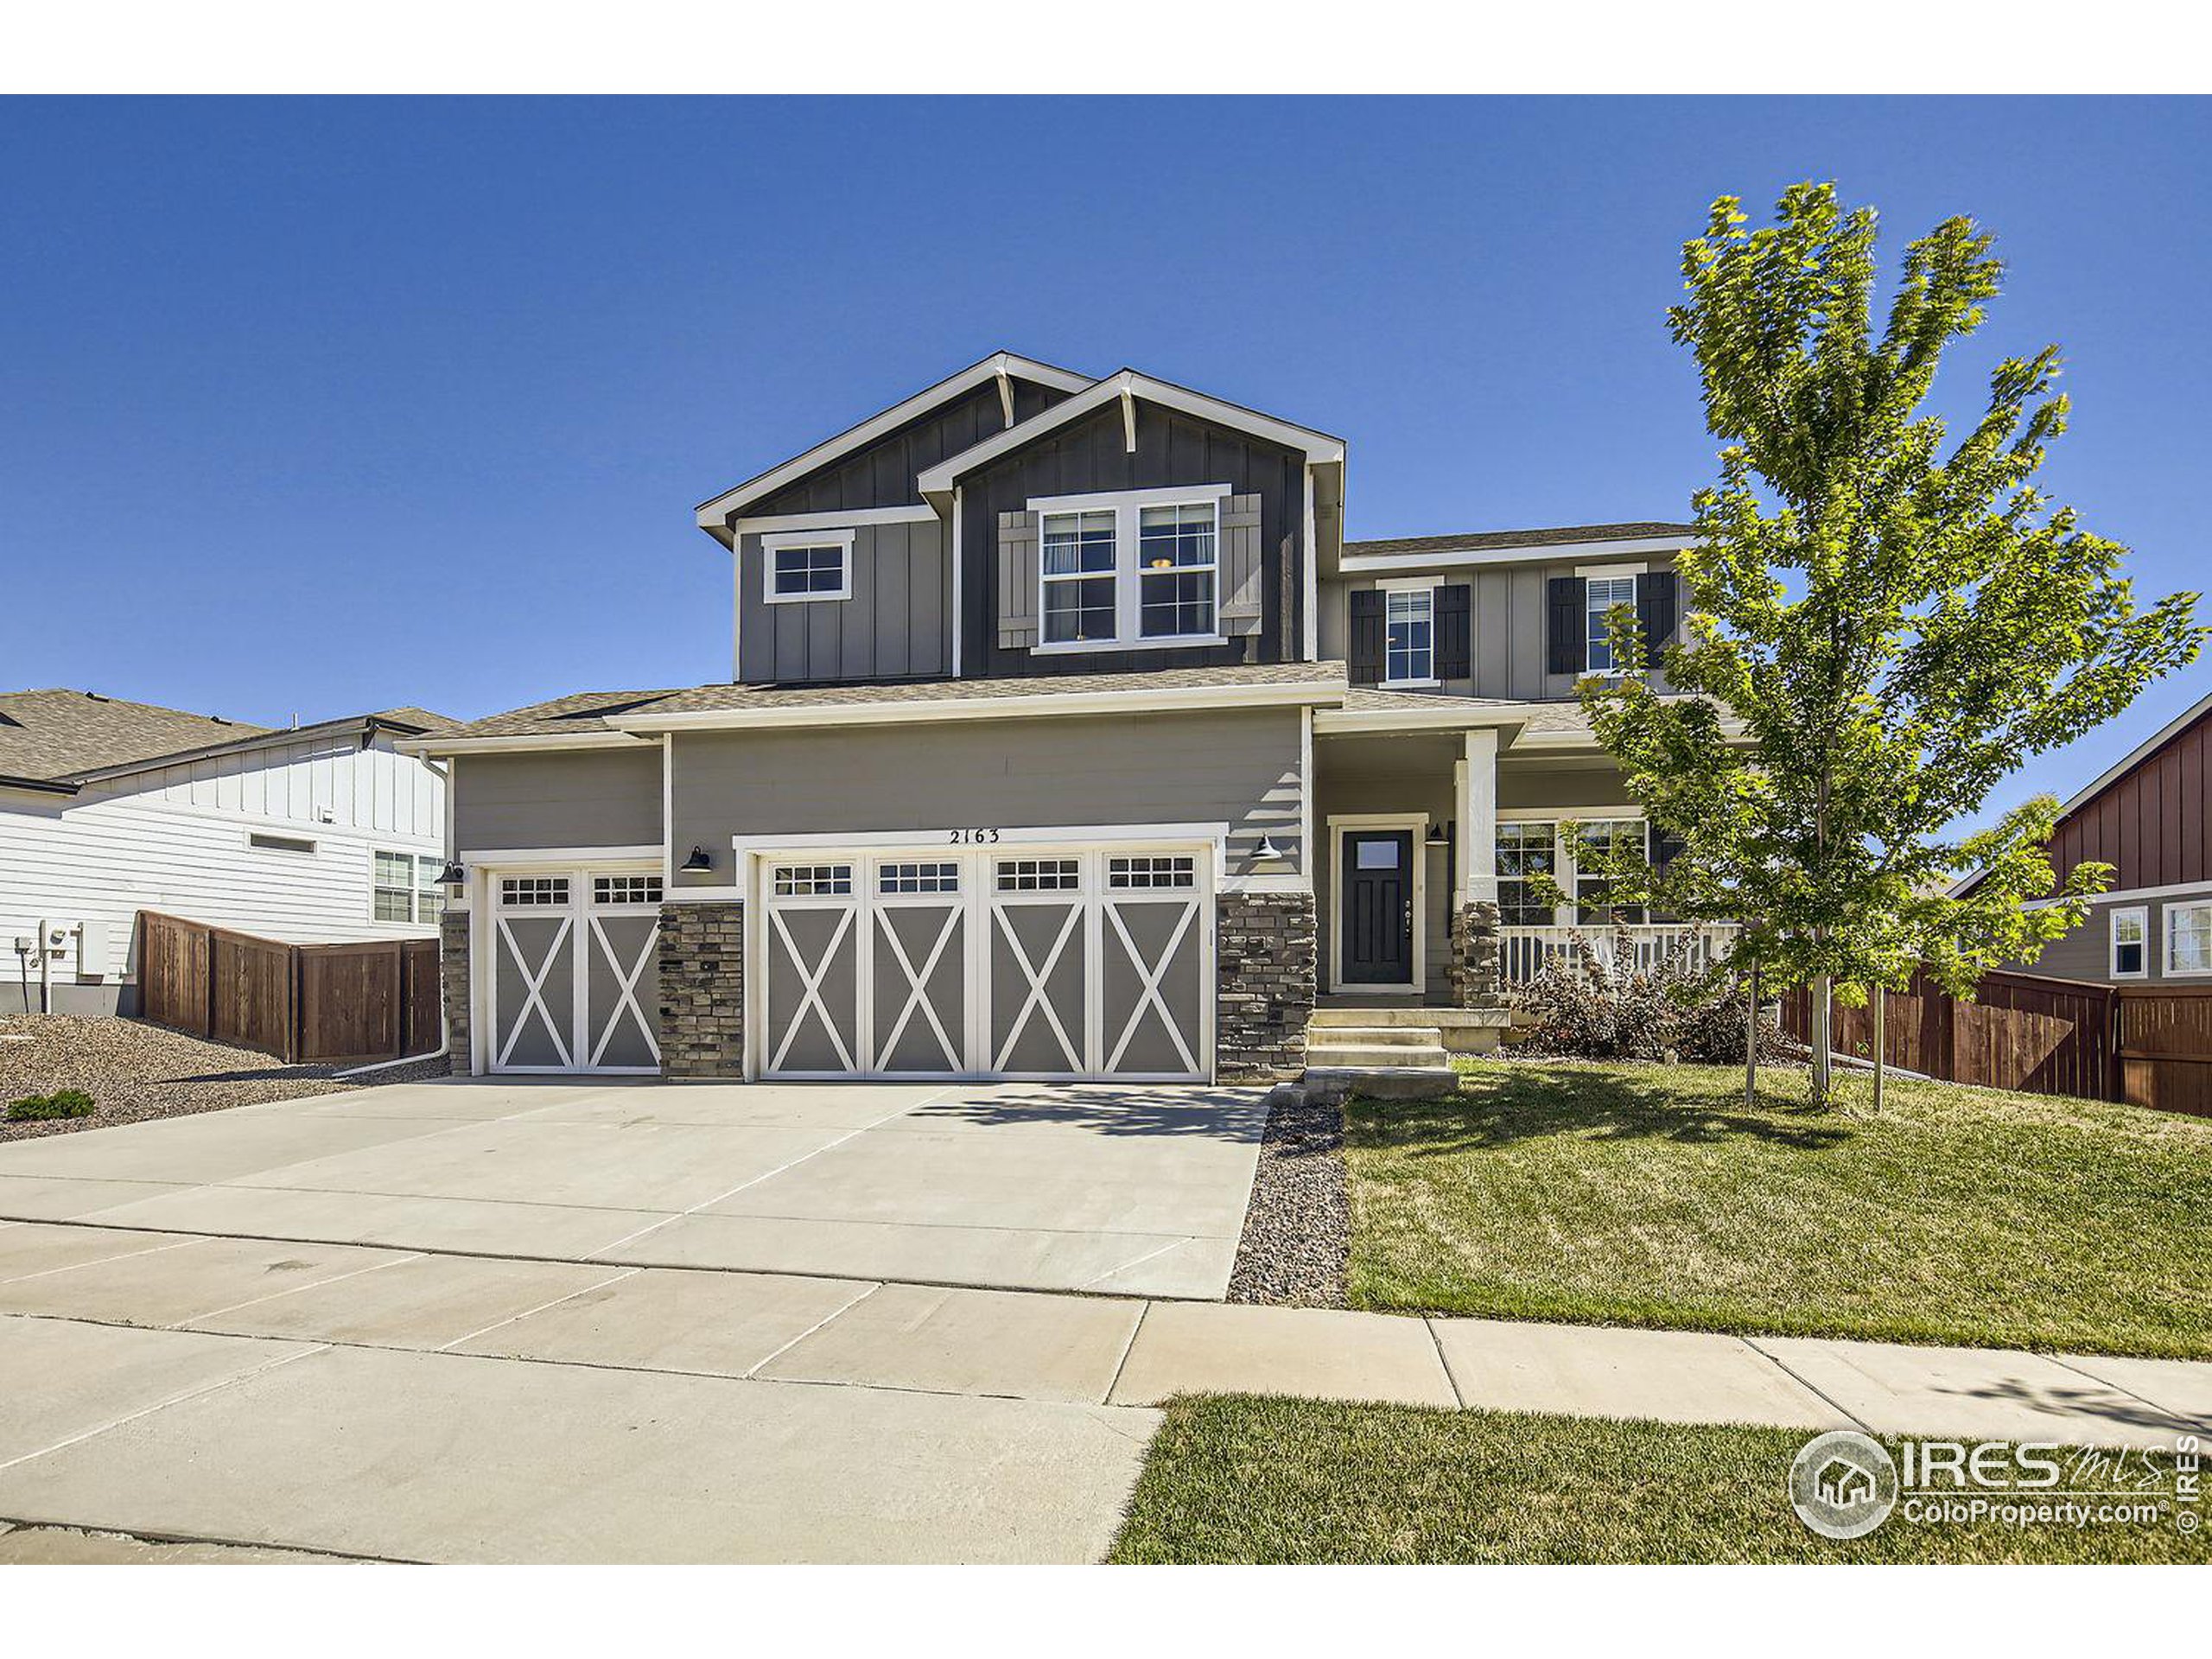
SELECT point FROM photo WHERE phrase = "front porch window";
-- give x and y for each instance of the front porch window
(1605, 835)
(1523, 851)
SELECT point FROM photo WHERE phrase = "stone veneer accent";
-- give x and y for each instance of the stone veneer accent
(702, 990)
(453, 981)
(1266, 956)
(1477, 980)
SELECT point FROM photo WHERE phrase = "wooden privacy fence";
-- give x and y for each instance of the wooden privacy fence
(2149, 1045)
(297, 1002)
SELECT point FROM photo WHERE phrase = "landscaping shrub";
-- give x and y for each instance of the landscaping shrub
(1585, 1005)
(63, 1103)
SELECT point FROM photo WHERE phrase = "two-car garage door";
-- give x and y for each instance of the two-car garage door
(1047, 963)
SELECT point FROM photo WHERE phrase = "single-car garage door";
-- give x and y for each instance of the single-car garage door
(1092, 963)
(575, 980)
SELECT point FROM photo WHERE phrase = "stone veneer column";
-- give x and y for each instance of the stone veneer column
(702, 990)
(453, 978)
(1477, 979)
(1265, 958)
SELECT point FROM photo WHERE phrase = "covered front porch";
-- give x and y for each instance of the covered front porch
(1424, 806)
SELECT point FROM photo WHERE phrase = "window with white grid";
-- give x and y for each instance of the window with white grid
(626, 889)
(521, 891)
(813, 880)
(931, 877)
(1151, 870)
(1037, 875)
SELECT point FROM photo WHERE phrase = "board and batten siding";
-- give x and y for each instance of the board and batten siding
(559, 798)
(177, 840)
(881, 473)
(1238, 767)
(1510, 630)
(1090, 456)
(895, 625)
(2149, 824)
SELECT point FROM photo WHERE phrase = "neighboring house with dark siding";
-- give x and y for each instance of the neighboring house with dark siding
(2146, 816)
(1065, 736)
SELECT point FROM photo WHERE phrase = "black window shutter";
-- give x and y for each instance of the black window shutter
(1655, 610)
(1455, 645)
(1570, 645)
(1365, 666)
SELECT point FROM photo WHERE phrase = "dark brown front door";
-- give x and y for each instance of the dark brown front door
(1376, 908)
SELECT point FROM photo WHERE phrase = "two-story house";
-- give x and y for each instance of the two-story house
(1065, 736)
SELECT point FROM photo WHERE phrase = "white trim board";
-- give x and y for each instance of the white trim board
(1362, 564)
(919, 513)
(495, 857)
(1295, 694)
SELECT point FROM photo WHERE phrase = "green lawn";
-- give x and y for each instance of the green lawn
(1232, 1477)
(1649, 1195)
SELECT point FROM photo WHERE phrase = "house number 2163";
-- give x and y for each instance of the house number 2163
(973, 837)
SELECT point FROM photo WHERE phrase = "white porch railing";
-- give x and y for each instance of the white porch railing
(1525, 950)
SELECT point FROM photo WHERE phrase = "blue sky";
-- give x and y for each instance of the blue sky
(321, 406)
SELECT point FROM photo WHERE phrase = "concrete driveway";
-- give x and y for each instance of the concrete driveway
(585, 1322)
(1134, 1190)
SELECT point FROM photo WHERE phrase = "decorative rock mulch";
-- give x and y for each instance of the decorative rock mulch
(136, 1072)
(1298, 1226)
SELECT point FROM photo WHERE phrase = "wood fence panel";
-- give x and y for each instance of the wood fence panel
(2165, 1047)
(350, 1001)
(422, 998)
(173, 972)
(2040, 1036)
(250, 994)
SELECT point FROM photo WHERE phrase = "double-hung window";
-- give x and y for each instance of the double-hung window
(1604, 837)
(403, 888)
(1409, 637)
(2131, 942)
(1523, 851)
(1137, 569)
(1079, 560)
(2188, 938)
(803, 565)
(1605, 592)
(1176, 568)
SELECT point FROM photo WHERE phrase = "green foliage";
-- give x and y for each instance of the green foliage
(63, 1103)
(1880, 626)
(1601, 1006)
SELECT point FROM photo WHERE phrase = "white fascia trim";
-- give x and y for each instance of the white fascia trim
(1329, 720)
(920, 513)
(1297, 695)
(1182, 496)
(1360, 564)
(2119, 895)
(1611, 572)
(770, 545)
(1316, 446)
(712, 514)
(526, 745)
(496, 857)
(1310, 583)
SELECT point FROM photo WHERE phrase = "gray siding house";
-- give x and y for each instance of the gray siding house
(1065, 736)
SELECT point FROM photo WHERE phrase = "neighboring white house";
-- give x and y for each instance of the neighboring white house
(317, 833)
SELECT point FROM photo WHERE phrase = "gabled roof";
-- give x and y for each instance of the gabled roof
(731, 501)
(1319, 448)
(58, 740)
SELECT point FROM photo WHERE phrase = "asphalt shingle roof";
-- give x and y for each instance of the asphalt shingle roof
(54, 734)
(1556, 535)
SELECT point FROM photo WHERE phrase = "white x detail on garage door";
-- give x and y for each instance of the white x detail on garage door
(575, 980)
(1034, 963)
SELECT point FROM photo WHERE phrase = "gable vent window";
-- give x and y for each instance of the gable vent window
(279, 843)
(1079, 583)
(1176, 567)
(804, 566)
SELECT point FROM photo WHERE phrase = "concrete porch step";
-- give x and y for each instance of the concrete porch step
(1427, 1036)
(1426, 1056)
(1332, 1083)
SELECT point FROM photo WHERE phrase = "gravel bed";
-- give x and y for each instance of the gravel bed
(1298, 1227)
(137, 1073)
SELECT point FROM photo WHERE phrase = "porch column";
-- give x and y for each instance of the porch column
(1477, 797)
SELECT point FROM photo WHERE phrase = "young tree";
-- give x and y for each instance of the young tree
(1878, 629)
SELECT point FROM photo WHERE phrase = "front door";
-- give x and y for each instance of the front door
(1376, 909)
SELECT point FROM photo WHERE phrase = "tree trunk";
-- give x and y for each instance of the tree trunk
(1751, 1044)
(1881, 996)
(1822, 1049)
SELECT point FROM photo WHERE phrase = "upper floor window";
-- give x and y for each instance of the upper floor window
(2131, 934)
(807, 565)
(1137, 569)
(1604, 592)
(1409, 637)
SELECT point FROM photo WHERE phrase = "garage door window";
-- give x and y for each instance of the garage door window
(1037, 875)
(813, 880)
(625, 890)
(918, 877)
(519, 892)
(1151, 871)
